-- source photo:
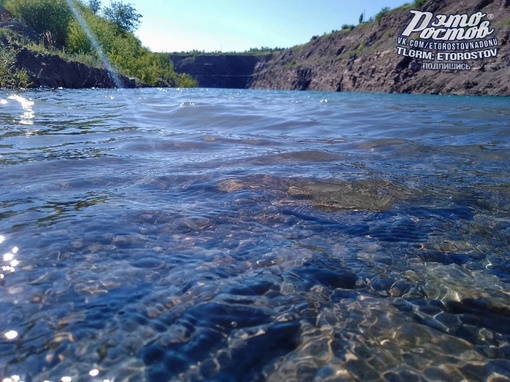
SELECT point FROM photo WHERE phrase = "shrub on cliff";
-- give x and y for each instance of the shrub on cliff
(48, 17)
(10, 76)
(124, 51)
(383, 12)
(79, 42)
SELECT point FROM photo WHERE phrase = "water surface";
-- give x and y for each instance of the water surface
(225, 235)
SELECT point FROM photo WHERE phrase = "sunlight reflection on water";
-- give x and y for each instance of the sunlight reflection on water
(28, 114)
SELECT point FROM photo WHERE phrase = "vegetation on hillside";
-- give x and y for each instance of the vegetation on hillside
(62, 30)
(419, 3)
(10, 77)
(263, 50)
(250, 52)
(383, 12)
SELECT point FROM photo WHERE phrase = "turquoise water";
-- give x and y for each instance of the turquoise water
(225, 235)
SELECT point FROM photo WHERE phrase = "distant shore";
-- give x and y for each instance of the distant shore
(366, 58)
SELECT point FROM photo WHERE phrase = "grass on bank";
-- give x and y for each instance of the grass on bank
(59, 32)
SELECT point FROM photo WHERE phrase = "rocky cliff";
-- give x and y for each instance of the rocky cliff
(45, 70)
(217, 71)
(366, 59)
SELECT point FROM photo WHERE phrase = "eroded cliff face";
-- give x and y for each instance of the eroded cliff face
(51, 71)
(365, 60)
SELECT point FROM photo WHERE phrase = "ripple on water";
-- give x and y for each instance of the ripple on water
(228, 235)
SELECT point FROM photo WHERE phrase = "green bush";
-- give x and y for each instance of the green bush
(419, 3)
(383, 12)
(185, 81)
(10, 76)
(49, 17)
(124, 51)
(103, 31)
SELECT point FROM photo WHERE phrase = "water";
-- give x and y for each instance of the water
(185, 235)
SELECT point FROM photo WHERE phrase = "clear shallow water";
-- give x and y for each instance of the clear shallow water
(167, 235)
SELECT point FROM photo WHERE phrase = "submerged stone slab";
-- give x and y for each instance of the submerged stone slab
(364, 195)
(374, 195)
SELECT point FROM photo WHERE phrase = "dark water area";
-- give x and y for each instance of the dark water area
(220, 235)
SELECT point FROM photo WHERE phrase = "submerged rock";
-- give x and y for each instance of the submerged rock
(364, 195)
(374, 195)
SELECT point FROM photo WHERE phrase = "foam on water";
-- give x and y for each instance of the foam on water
(253, 235)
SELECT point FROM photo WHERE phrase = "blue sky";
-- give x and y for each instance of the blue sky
(238, 25)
